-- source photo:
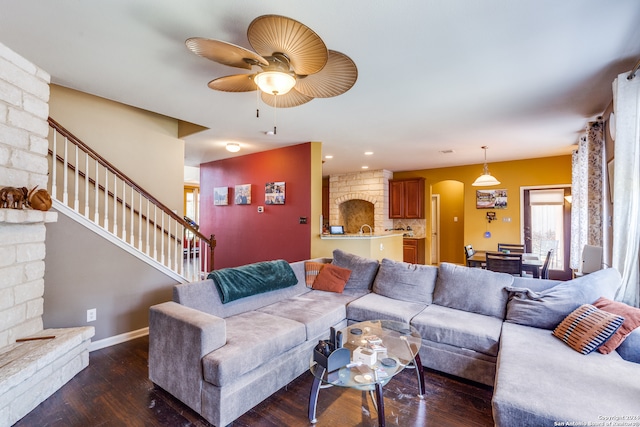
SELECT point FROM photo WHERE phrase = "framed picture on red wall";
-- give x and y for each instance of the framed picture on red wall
(243, 194)
(274, 193)
(220, 196)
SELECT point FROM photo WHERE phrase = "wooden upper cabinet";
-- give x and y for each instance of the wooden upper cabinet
(406, 198)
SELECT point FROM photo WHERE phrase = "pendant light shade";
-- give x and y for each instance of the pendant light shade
(486, 179)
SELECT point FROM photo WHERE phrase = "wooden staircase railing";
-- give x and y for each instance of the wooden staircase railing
(84, 181)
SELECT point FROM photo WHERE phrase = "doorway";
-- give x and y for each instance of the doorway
(546, 225)
(435, 229)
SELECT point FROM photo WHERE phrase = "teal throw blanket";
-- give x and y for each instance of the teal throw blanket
(239, 282)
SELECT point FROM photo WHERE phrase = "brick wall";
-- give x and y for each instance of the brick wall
(371, 186)
(24, 96)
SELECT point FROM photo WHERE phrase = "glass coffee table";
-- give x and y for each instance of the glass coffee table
(372, 353)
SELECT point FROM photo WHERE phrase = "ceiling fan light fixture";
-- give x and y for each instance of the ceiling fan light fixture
(233, 147)
(275, 82)
(486, 179)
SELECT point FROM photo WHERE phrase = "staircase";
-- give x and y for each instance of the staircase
(90, 190)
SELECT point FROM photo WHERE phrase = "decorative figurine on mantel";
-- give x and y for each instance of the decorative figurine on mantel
(40, 200)
(15, 198)
(19, 198)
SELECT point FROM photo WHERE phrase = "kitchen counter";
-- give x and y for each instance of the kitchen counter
(374, 245)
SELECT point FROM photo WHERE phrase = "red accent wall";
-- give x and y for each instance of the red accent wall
(243, 234)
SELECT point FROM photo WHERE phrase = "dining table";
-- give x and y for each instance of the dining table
(531, 263)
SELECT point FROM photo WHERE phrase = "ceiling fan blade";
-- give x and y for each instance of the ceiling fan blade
(293, 98)
(235, 83)
(306, 51)
(224, 53)
(337, 77)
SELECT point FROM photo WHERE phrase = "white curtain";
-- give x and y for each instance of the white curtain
(626, 194)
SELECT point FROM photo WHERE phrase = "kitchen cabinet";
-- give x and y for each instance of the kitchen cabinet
(413, 250)
(406, 198)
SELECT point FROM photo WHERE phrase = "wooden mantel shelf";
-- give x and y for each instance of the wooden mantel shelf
(26, 216)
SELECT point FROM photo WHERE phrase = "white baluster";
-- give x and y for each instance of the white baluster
(132, 232)
(54, 166)
(86, 184)
(124, 211)
(96, 208)
(106, 199)
(65, 173)
(155, 233)
(140, 221)
(162, 250)
(76, 201)
(148, 250)
(176, 260)
(115, 204)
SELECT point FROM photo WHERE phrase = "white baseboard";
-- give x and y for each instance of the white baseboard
(118, 339)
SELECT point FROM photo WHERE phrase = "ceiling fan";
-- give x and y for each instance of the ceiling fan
(294, 64)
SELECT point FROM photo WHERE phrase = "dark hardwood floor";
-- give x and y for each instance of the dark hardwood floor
(115, 391)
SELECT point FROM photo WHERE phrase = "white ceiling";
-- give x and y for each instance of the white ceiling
(523, 77)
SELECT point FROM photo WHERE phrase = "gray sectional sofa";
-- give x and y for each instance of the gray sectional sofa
(492, 328)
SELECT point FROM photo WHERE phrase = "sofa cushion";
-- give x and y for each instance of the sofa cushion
(459, 328)
(630, 347)
(472, 289)
(631, 321)
(405, 282)
(540, 381)
(253, 338)
(311, 271)
(363, 270)
(546, 309)
(587, 327)
(317, 310)
(373, 306)
(332, 278)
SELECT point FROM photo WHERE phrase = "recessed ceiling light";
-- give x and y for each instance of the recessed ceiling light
(233, 147)
(368, 153)
(365, 167)
(328, 157)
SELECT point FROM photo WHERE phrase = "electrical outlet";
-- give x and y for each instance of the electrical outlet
(91, 315)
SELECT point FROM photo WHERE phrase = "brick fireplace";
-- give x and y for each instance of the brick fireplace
(29, 371)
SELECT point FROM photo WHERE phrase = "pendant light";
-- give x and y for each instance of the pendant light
(486, 179)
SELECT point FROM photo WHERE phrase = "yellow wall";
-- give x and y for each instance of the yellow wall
(143, 145)
(513, 175)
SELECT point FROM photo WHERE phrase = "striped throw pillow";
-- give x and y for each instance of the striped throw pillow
(587, 328)
(311, 270)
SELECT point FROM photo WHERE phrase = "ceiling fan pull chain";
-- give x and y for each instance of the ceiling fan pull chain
(275, 113)
(258, 103)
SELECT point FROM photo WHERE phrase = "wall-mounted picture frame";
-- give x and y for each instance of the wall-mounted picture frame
(274, 193)
(491, 199)
(221, 196)
(242, 194)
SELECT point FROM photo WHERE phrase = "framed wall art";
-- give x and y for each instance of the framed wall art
(220, 196)
(274, 193)
(242, 194)
(491, 199)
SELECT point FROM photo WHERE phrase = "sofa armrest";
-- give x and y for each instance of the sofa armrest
(179, 337)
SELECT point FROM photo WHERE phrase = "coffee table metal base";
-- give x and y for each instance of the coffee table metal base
(379, 397)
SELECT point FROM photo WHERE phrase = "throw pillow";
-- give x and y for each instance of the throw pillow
(363, 269)
(631, 321)
(311, 270)
(405, 282)
(332, 278)
(545, 309)
(587, 327)
(630, 348)
(472, 289)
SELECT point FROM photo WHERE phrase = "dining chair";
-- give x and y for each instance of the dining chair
(510, 263)
(468, 253)
(511, 247)
(544, 273)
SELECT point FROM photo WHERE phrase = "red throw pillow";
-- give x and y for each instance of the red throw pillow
(332, 278)
(631, 321)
